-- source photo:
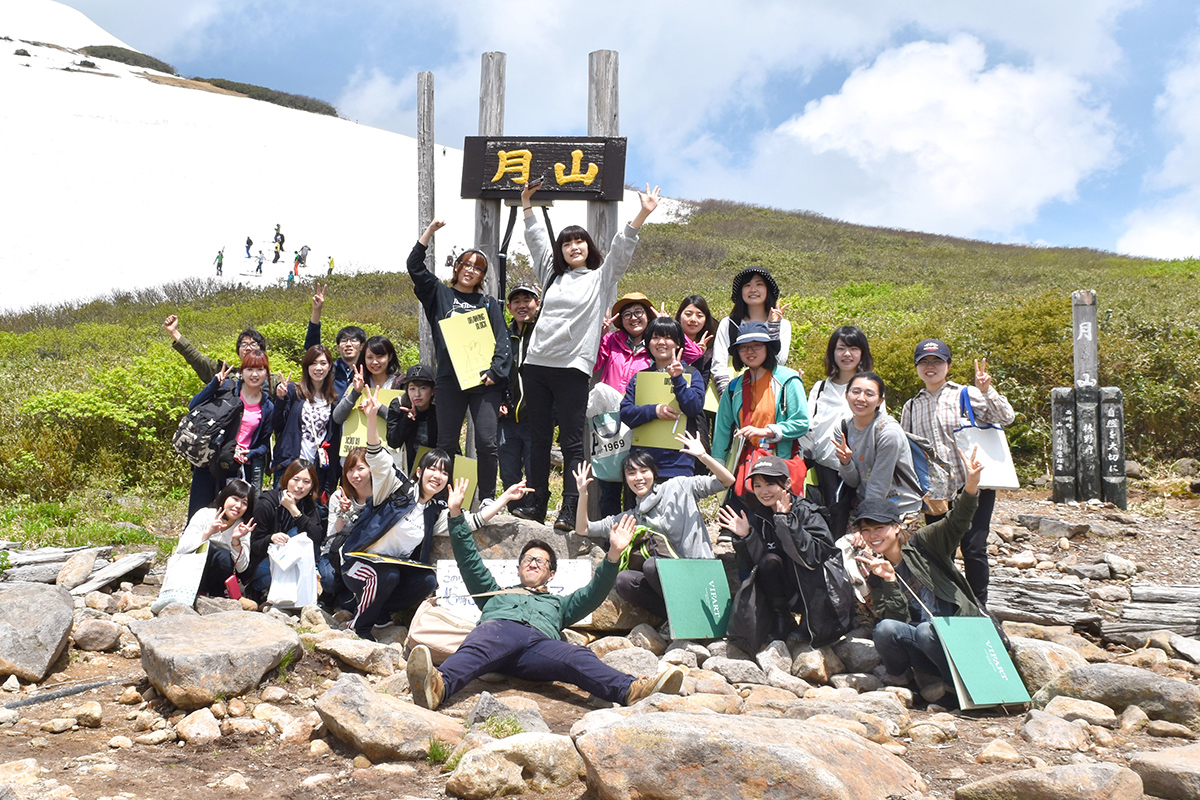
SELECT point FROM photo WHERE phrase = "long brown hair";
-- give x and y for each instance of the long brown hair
(308, 390)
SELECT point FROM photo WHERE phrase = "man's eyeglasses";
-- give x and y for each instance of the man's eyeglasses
(536, 561)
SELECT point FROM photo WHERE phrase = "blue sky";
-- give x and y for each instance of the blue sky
(1065, 123)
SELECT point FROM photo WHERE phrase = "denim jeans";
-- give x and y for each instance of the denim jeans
(514, 451)
(522, 651)
(902, 645)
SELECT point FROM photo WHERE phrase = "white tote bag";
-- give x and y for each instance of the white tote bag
(182, 580)
(991, 447)
(293, 573)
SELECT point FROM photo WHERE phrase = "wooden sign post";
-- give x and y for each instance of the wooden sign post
(1087, 421)
(425, 206)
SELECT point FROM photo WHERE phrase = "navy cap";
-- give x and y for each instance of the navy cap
(877, 511)
(932, 347)
(418, 372)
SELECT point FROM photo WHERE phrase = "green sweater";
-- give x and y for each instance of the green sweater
(549, 613)
(933, 565)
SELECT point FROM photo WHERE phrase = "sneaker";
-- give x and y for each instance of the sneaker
(667, 682)
(424, 681)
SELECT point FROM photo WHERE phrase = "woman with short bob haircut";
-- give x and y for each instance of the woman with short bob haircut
(872, 449)
(579, 286)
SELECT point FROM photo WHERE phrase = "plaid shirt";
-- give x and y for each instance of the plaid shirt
(935, 416)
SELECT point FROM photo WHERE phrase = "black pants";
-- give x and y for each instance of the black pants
(643, 588)
(383, 589)
(974, 545)
(828, 481)
(217, 569)
(548, 390)
(484, 403)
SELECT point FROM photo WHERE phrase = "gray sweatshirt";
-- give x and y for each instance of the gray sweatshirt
(568, 325)
(881, 466)
(671, 508)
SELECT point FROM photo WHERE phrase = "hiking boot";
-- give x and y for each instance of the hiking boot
(667, 682)
(533, 509)
(424, 681)
(566, 517)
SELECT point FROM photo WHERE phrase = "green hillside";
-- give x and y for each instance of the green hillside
(92, 392)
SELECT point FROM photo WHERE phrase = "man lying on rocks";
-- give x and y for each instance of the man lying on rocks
(520, 632)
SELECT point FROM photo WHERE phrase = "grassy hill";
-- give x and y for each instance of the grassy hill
(90, 393)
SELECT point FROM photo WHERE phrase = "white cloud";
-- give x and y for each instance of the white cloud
(928, 137)
(373, 98)
(1169, 226)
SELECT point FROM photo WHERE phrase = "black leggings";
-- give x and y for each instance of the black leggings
(548, 390)
(484, 402)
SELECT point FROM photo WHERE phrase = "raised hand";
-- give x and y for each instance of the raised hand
(281, 390)
(620, 536)
(878, 566)
(514, 492)
(983, 381)
(609, 322)
(704, 340)
(974, 469)
(784, 504)
(171, 324)
(357, 382)
(735, 523)
(776, 314)
(344, 502)
(583, 477)
(222, 372)
(241, 532)
(675, 368)
(650, 199)
(841, 448)
(458, 493)
(370, 401)
(318, 300)
(527, 193)
(691, 444)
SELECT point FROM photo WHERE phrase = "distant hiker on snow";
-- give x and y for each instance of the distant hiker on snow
(304, 256)
(296, 263)
(278, 248)
(258, 269)
(220, 260)
(330, 272)
(249, 242)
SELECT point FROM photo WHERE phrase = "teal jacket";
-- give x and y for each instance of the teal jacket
(549, 613)
(929, 553)
(791, 414)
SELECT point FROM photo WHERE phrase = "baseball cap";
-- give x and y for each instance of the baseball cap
(527, 288)
(770, 467)
(418, 372)
(752, 331)
(932, 347)
(877, 511)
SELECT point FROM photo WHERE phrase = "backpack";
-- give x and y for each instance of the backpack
(933, 474)
(202, 431)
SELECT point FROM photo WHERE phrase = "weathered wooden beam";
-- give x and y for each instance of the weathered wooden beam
(425, 197)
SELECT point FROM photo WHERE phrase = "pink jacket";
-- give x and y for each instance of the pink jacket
(617, 365)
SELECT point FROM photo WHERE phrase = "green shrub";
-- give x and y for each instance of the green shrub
(126, 56)
(297, 101)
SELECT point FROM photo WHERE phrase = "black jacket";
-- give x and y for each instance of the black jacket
(271, 518)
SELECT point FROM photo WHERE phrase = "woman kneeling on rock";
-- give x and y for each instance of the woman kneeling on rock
(913, 578)
(223, 525)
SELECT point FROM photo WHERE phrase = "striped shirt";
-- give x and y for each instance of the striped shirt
(935, 416)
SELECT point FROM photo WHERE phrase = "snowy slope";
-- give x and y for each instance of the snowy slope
(113, 181)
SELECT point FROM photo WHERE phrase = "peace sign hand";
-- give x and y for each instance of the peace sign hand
(878, 566)
(776, 314)
(358, 383)
(675, 368)
(704, 340)
(222, 372)
(983, 381)
(281, 390)
(318, 300)
(370, 402)
(841, 448)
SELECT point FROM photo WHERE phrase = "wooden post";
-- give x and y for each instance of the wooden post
(603, 120)
(1062, 431)
(1112, 447)
(1087, 394)
(491, 123)
(425, 206)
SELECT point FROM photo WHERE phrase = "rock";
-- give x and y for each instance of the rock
(1164, 729)
(35, 626)
(247, 604)
(699, 703)
(1172, 774)
(725, 649)
(275, 716)
(1039, 662)
(11, 684)
(488, 705)
(774, 656)
(237, 707)
(370, 657)
(783, 679)
(194, 660)
(199, 728)
(97, 634)
(88, 715)
(76, 569)
(1185, 647)
(383, 727)
(1046, 730)
(681, 657)
(545, 761)
(1118, 686)
(648, 638)
(859, 682)
(241, 726)
(609, 644)
(100, 601)
(1071, 709)
(1120, 566)
(614, 614)
(216, 605)
(857, 655)
(816, 666)
(119, 568)
(998, 751)
(1146, 658)
(486, 775)
(928, 733)
(1069, 782)
(59, 725)
(8, 717)
(1132, 720)
(235, 782)
(274, 694)
(315, 617)
(1110, 593)
(1186, 467)
(176, 610)
(1095, 572)
(633, 661)
(120, 743)
(161, 736)
(1030, 521)
(319, 747)
(1023, 560)
(736, 670)
(1134, 470)
(656, 755)
(302, 730)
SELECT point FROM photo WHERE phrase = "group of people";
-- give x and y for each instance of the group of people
(810, 478)
(299, 257)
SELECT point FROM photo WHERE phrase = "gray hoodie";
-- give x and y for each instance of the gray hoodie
(881, 466)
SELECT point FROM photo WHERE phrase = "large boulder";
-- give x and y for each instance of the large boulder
(1118, 686)
(656, 755)
(1038, 661)
(544, 762)
(382, 727)
(1173, 774)
(370, 657)
(195, 660)
(35, 626)
(1070, 782)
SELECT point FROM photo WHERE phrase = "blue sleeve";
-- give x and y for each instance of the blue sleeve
(282, 409)
(204, 394)
(313, 335)
(690, 395)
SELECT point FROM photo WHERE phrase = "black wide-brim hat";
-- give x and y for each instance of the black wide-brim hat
(749, 272)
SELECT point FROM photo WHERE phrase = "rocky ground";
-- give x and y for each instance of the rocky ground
(227, 703)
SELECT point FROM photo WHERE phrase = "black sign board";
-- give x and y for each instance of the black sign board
(573, 168)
